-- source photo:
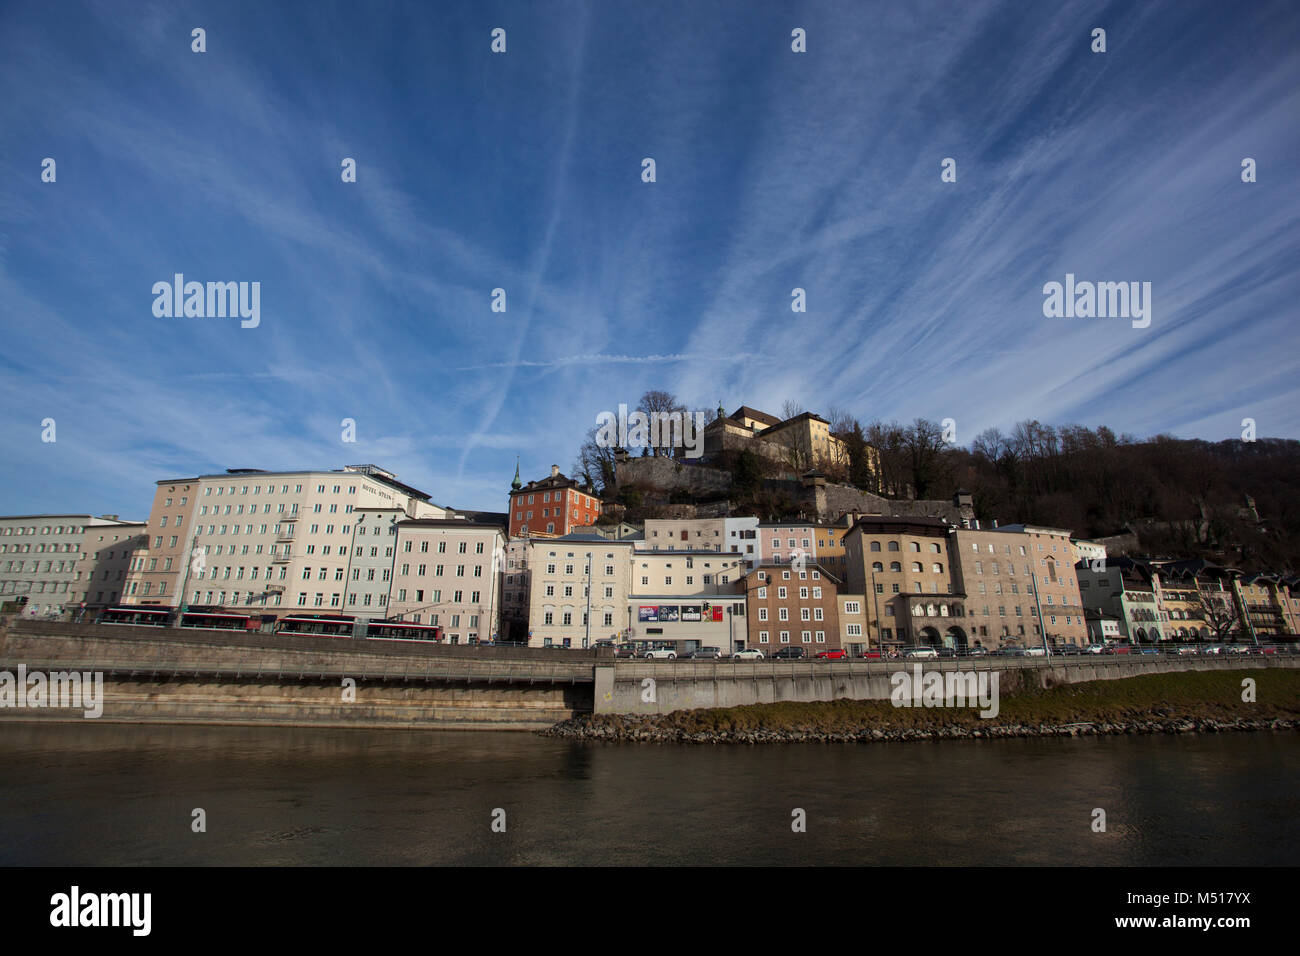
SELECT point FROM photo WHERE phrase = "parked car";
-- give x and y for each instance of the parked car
(1095, 649)
(1212, 649)
(1067, 649)
(945, 652)
(870, 655)
(1010, 650)
(625, 650)
(706, 653)
(1116, 649)
(832, 654)
(1238, 648)
(790, 654)
(1035, 652)
(1146, 650)
(660, 654)
(979, 650)
(747, 654)
(923, 651)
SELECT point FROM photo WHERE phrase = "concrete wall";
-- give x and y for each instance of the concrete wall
(688, 686)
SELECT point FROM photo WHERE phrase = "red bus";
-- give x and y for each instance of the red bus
(319, 624)
(139, 616)
(220, 621)
(403, 631)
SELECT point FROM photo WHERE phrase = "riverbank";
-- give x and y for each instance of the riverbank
(1185, 702)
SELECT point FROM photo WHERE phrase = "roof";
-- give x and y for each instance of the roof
(578, 538)
(548, 483)
(383, 478)
(454, 523)
(744, 411)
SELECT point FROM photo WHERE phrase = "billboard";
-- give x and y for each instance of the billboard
(647, 612)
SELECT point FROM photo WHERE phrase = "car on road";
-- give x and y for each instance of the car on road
(1116, 649)
(747, 654)
(922, 651)
(625, 650)
(869, 655)
(979, 650)
(706, 653)
(945, 652)
(1035, 652)
(1010, 650)
(1185, 650)
(832, 654)
(660, 654)
(1212, 649)
(1095, 649)
(1238, 648)
(1146, 650)
(1068, 650)
(790, 654)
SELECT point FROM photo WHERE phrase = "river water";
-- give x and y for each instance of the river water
(109, 794)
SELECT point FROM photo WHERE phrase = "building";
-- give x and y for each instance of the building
(367, 576)
(554, 506)
(792, 606)
(447, 572)
(902, 566)
(267, 542)
(799, 443)
(516, 591)
(687, 599)
(1045, 559)
(54, 564)
(685, 534)
(786, 541)
(1124, 591)
(578, 590)
(743, 538)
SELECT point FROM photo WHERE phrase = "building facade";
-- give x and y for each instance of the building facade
(447, 571)
(65, 565)
(554, 506)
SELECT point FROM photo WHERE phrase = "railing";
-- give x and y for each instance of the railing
(256, 667)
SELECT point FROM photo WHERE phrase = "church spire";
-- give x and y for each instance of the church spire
(516, 484)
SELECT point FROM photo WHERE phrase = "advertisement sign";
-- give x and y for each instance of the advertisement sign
(691, 612)
(647, 612)
(668, 612)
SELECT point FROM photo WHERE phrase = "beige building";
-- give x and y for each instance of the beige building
(688, 599)
(448, 572)
(685, 534)
(902, 566)
(1007, 579)
(56, 563)
(265, 542)
(578, 590)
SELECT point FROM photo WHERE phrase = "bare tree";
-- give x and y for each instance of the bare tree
(790, 408)
(595, 463)
(658, 404)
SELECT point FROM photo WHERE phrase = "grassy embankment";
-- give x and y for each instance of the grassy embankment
(1188, 695)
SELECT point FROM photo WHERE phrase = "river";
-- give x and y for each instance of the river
(87, 793)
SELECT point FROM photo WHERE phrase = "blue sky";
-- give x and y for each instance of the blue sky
(775, 170)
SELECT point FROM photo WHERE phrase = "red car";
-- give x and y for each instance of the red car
(834, 654)
(874, 655)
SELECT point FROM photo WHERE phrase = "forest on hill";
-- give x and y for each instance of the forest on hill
(1235, 501)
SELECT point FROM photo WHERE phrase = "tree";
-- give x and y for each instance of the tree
(790, 408)
(657, 406)
(747, 476)
(595, 463)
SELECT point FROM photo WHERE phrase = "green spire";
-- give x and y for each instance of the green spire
(516, 484)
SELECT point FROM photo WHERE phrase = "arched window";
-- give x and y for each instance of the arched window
(934, 549)
(938, 568)
(913, 546)
(916, 567)
(893, 546)
(895, 566)
(875, 546)
(877, 566)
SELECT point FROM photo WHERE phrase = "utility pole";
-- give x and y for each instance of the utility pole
(1042, 625)
(875, 603)
(185, 581)
(586, 641)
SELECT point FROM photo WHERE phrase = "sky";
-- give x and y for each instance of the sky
(523, 171)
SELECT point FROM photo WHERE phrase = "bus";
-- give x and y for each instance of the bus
(323, 625)
(403, 631)
(139, 616)
(220, 621)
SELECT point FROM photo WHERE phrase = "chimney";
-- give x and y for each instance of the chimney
(555, 471)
